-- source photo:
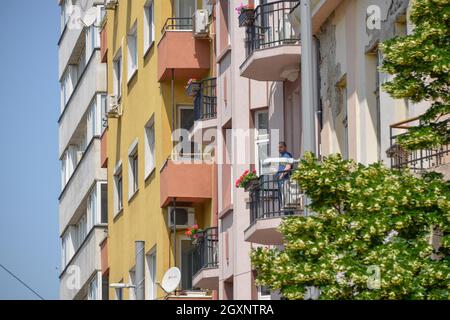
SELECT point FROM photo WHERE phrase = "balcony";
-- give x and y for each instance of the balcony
(87, 261)
(272, 47)
(187, 180)
(205, 109)
(206, 261)
(92, 81)
(273, 198)
(179, 51)
(87, 172)
(437, 159)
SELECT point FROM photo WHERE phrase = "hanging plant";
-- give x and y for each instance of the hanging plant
(194, 233)
(246, 15)
(248, 180)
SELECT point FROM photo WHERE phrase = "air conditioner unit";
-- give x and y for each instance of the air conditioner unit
(185, 217)
(200, 20)
(111, 4)
(113, 107)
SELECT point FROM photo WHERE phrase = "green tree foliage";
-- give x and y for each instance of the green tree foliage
(421, 65)
(363, 216)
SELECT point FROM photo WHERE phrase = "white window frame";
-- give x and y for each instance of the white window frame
(93, 289)
(149, 26)
(118, 73)
(260, 139)
(151, 292)
(118, 194)
(133, 169)
(132, 50)
(150, 147)
(263, 296)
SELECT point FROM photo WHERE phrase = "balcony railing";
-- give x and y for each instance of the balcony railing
(417, 160)
(174, 24)
(206, 100)
(271, 27)
(276, 195)
(205, 253)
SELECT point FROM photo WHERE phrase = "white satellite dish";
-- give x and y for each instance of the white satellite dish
(171, 280)
(90, 17)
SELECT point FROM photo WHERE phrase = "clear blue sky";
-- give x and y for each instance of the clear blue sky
(29, 179)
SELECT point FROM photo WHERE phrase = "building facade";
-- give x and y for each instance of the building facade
(197, 93)
(83, 199)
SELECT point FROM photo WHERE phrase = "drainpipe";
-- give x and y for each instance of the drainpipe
(140, 273)
(172, 88)
(308, 112)
(174, 208)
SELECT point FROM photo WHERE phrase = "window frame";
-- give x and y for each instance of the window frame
(133, 170)
(149, 26)
(118, 192)
(150, 147)
(132, 52)
(118, 73)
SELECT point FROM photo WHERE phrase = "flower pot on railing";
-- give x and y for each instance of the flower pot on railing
(246, 17)
(251, 185)
(193, 88)
(248, 180)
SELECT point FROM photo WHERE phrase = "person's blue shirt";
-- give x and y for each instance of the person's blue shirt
(282, 166)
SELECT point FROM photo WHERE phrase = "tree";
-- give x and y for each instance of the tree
(366, 218)
(421, 65)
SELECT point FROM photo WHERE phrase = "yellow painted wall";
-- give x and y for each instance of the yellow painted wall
(141, 218)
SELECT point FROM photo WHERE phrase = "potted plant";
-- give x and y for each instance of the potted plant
(193, 87)
(246, 15)
(248, 180)
(195, 233)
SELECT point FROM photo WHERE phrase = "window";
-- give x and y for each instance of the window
(103, 112)
(132, 52)
(150, 276)
(150, 160)
(186, 252)
(117, 65)
(92, 40)
(262, 142)
(264, 293)
(93, 289)
(185, 8)
(133, 170)
(92, 208)
(81, 232)
(149, 26)
(104, 203)
(67, 248)
(105, 287)
(65, 16)
(118, 189)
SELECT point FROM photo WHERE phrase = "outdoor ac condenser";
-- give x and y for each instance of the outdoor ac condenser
(200, 20)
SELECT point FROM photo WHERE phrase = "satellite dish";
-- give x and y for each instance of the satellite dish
(90, 17)
(171, 280)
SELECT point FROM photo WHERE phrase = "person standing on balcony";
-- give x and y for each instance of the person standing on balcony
(283, 174)
(284, 168)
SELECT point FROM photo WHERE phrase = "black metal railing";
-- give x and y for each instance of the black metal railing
(173, 24)
(416, 160)
(271, 27)
(276, 195)
(206, 100)
(205, 253)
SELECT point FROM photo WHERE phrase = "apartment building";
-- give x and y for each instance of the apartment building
(156, 191)
(259, 91)
(83, 197)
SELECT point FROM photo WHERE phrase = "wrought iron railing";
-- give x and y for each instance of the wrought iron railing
(416, 160)
(276, 195)
(173, 24)
(206, 100)
(205, 253)
(271, 26)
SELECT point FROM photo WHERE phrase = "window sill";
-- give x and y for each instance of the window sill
(148, 49)
(149, 174)
(133, 196)
(132, 75)
(117, 215)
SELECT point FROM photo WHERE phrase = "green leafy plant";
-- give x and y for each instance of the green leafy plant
(421, 65)
(363, 218)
